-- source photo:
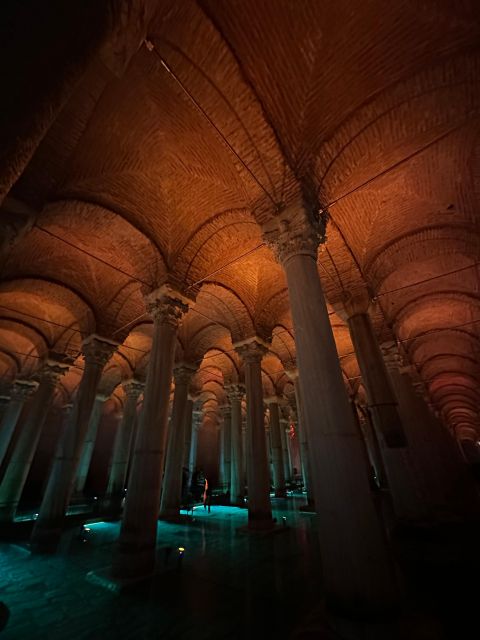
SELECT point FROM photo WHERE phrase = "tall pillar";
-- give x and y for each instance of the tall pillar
(117, 477)
(188, 432)
(15, 476)
(405, 489)
(244, 451)
(221, 454)
(302, 435)
(259, 508)
(49, 525)
(371, 443)
(172, 481)
(277, 451)
(89, 444)
(237, 486)
(4, 400)
(451, 493)
(192, 457)
(135, 555)
(22, 390)
(227, 447)
(285, 436)
(357, 571)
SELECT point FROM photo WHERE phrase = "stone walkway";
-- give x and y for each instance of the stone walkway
(228, 585)
(225, 582)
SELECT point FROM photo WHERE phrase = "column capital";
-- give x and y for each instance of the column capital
(391, 355)
(251, 349)
(273, 400)
(183, 372)
(292, 373)
(53, 370)
(225, 411)
(133, 388)
(167, 305)
(295, 230)
(235, 391)
(98, 350)
(356, 303)
(23, 389)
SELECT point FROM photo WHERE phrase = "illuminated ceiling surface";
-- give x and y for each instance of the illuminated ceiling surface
(236, 107)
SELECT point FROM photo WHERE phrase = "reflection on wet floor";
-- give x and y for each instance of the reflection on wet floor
(213, 581)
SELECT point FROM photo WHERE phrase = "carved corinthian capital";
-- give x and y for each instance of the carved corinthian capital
(182, 373)
(23, 389)
(133, 388)
(293, 231)
(98, 350)
(167, 306)
(251, 350)
(235, 392)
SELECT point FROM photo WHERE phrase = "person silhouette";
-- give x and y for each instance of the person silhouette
(207, 496)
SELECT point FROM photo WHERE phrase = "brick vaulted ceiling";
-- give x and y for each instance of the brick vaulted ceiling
(369, 109)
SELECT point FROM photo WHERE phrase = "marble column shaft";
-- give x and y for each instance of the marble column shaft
(122, 448)
(287, 460)
(357, 571)
(259, 508)
(192, 457)
(403, 482)
(302, 435)
(277, 451)
(237, 486)
(22, 390)
(135, 555)
(227, 447)
(172, 481)
(188, 433)
(49, 525)
(89, 444)
(16, 473)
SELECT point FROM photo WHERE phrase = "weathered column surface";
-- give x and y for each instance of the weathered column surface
(20, 462)
(237, 485)
(277, 450)
(21, 391)
(259, 508)
(49, 525)
(117, 477)
(135, 555)
(403, 482)
(451, 492)
(302, 436)
(227, 446)
(197, 419)
(89, 443)
(357, 570)
(172, 481)
(285, 437)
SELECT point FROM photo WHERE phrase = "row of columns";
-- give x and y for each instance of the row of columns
(357, 569)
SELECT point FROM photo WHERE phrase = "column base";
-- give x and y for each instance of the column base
(104, 578)
(111, 506)
(309, 507)
(280, 493)
(7, 513)
(131, 562)
(45, 537)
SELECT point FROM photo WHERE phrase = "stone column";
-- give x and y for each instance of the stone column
(357, 571)
(49, 525)
(172, 481)
(403, 482)
(22, 390)
(451, 494)
(371, 443)
(302, 435)
(15, 476)
(4, 400)
(117, 477)
(244, 451)
(259, 508)
(135, 555)
(237, 485)
(221, 454)
(192, 457)
(227, 447)
(277, 451)
(285, 435)
(89, 444)
(188, 432)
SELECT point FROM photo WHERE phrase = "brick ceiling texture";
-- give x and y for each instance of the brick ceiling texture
(368, 109)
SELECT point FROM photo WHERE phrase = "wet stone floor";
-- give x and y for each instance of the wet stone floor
(227, 585)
